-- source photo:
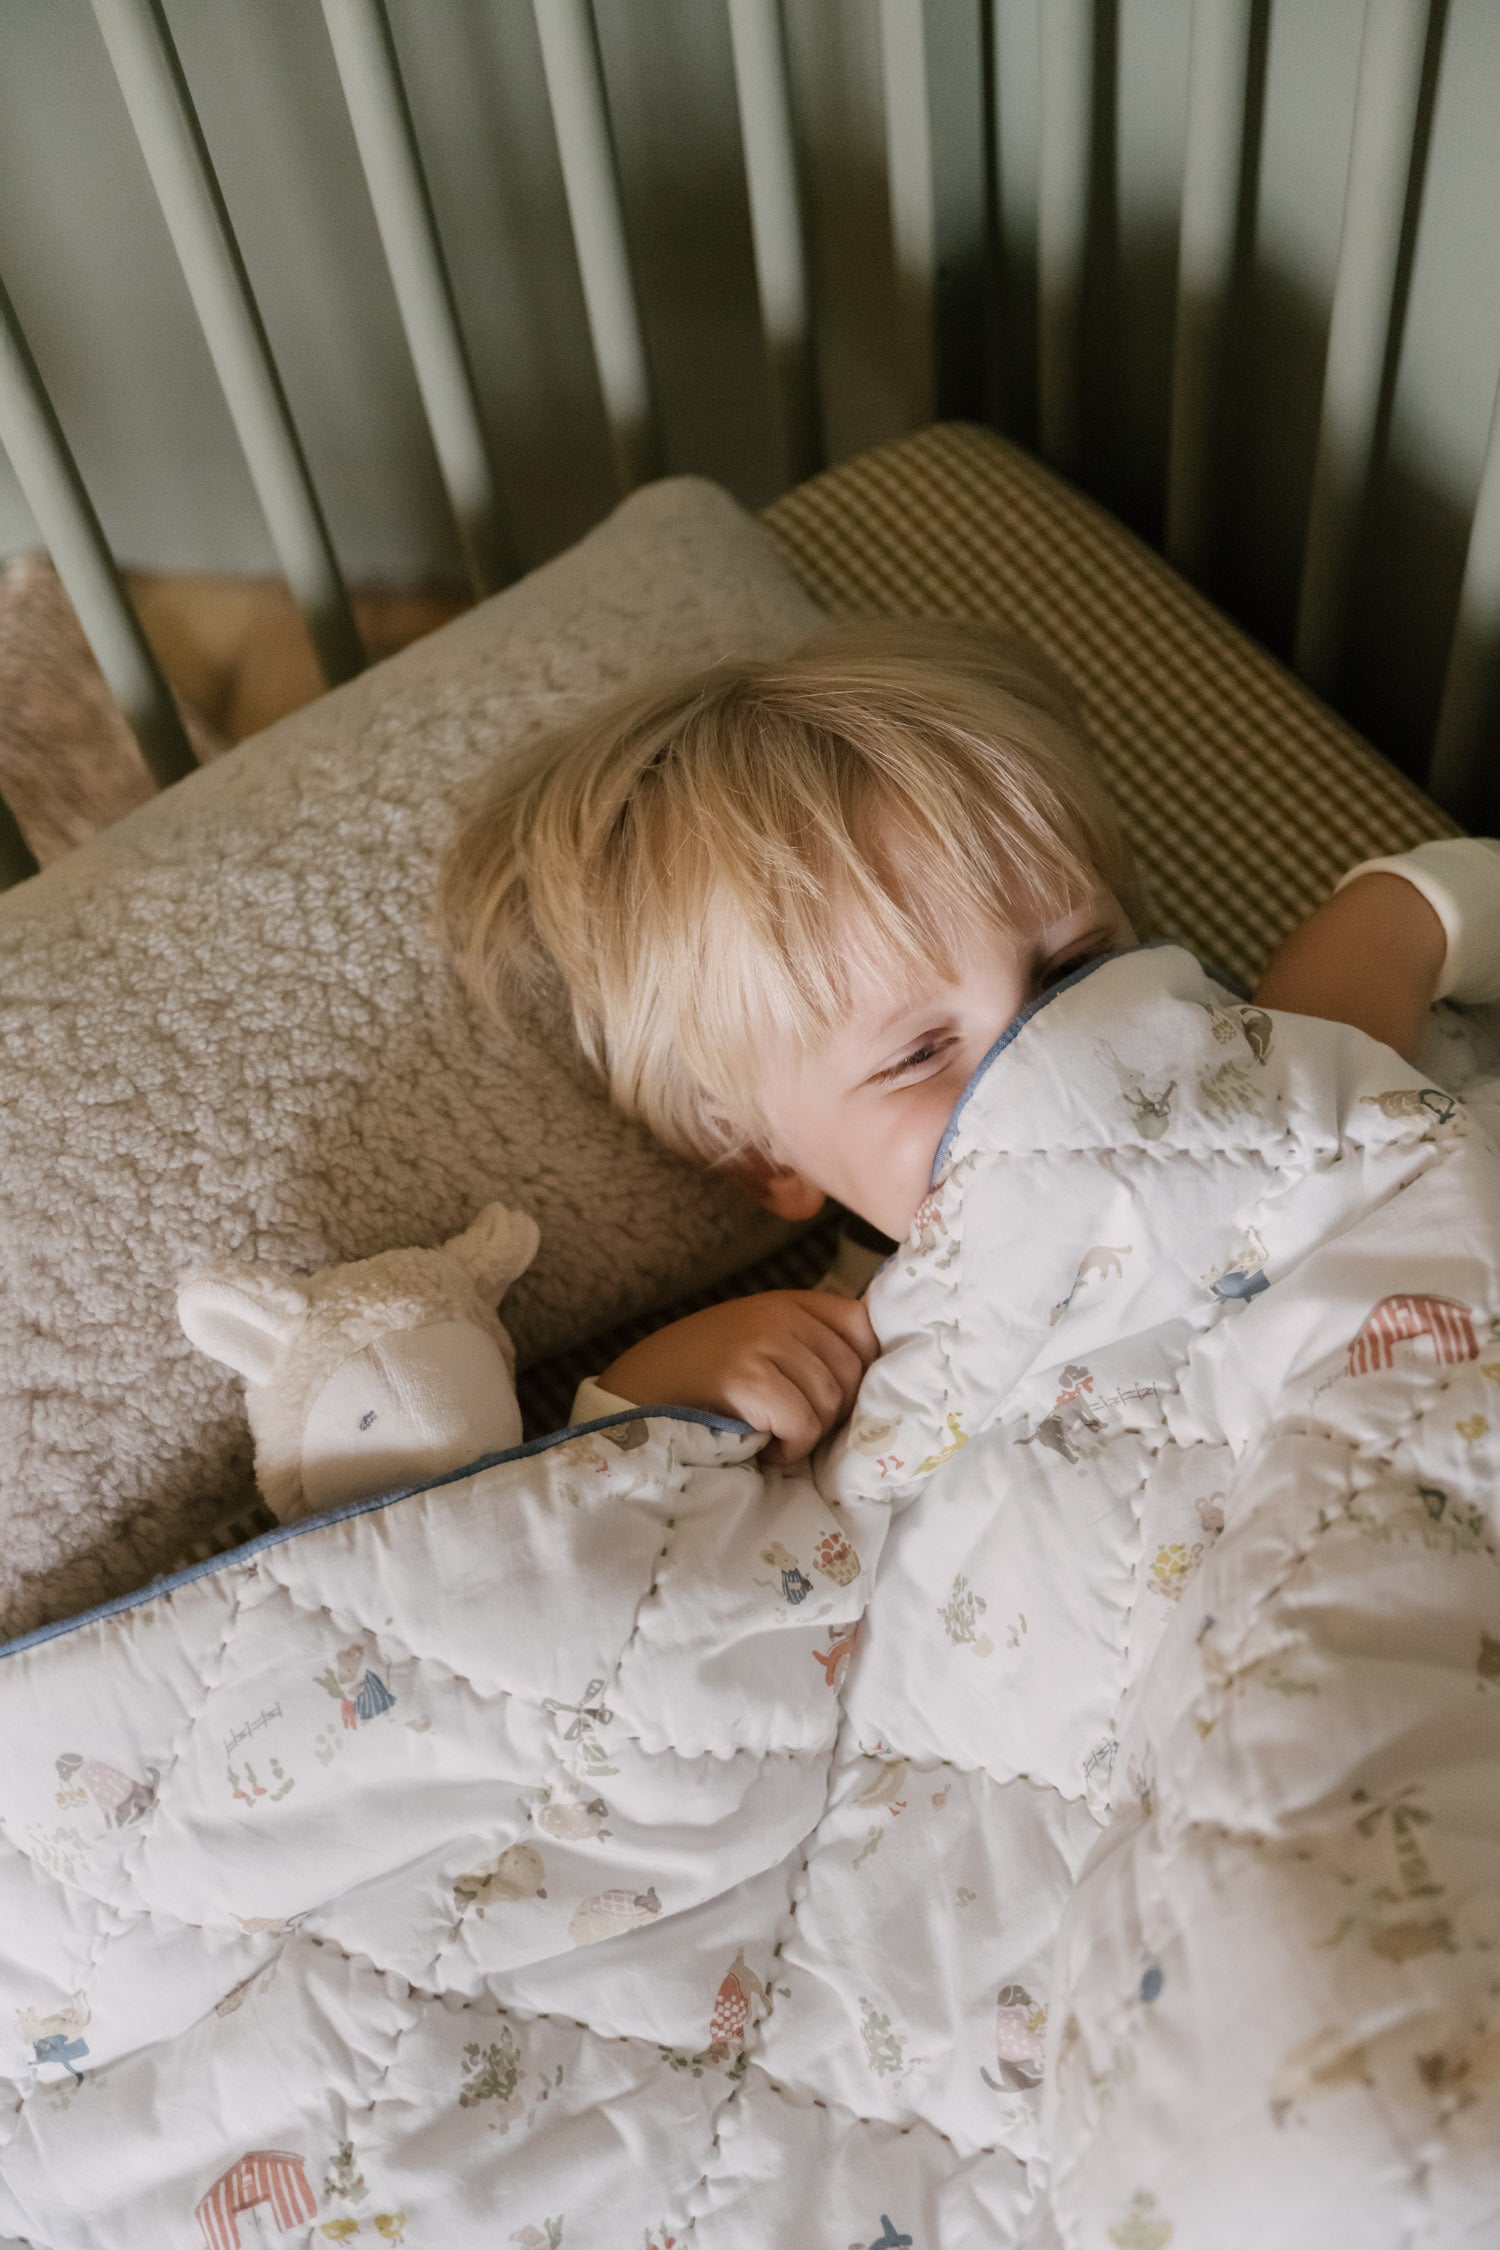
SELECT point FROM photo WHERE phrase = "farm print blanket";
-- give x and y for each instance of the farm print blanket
(1067, 1815)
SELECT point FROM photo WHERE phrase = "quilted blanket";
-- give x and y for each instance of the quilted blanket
(1067, 1813)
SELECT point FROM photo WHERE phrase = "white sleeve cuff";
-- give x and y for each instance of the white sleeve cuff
(591, 1402)
(1460, 880)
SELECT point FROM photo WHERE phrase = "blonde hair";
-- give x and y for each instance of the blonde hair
(704, 861)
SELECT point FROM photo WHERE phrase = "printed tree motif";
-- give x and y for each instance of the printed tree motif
(1143, 2228)
(884, 2047)
(1412, 1864)
(961, 1614)
(1228, 1092)
(492, 2073)
(343, 2178)
(870, 1844)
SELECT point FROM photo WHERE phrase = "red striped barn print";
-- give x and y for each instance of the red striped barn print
(274, 2176)
(1398, 1320)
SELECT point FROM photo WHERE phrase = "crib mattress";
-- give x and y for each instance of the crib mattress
(1244, 796)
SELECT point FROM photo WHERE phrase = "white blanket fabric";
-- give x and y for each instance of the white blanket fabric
(501, 1864)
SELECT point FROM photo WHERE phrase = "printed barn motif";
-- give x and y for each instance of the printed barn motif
(272, 2179)
(1398, 1320)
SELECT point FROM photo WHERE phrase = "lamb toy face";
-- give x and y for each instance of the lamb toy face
(368, 1377)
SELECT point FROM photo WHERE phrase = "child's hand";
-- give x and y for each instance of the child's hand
(788, 1361)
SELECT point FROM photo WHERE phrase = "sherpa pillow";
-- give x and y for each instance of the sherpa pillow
(226, 1030)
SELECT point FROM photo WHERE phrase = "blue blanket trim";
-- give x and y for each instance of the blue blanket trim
(1012, 1030)
(285, 1531)
(1018, 1024)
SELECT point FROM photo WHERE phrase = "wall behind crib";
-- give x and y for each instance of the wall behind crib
(99, 292)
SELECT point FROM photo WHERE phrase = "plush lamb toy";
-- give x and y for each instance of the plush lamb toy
(371, 1376)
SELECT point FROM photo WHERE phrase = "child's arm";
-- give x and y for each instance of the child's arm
(1396, 935)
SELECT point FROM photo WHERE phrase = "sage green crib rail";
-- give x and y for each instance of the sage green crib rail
(1383, 183)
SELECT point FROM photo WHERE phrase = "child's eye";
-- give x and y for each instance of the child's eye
(921, 1054)
(1055, 971)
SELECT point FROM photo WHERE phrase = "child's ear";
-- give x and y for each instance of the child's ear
(777, 1187)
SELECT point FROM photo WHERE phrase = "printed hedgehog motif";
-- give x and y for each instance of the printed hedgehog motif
(608, 1913)
(517, 1874)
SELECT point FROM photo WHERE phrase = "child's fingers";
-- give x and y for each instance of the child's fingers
(775, 1401)
(830, 1348)
(846, 1316)
(805, 1366)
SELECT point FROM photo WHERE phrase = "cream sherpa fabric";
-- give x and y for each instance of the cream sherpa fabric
(226, 1031)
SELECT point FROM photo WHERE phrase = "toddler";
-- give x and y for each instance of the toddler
(793, 903)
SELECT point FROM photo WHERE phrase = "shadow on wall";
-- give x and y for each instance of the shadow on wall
(1408, 557)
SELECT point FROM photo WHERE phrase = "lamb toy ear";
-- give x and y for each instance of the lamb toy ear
(243, 1316)
(496, 1248)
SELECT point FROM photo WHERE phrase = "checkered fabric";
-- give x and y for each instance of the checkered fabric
(1244, 796)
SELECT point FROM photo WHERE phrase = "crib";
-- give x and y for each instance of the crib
(1013, 287)
(224, 1023)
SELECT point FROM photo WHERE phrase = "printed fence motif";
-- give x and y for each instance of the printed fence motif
(1397, 1320)
(276, 2176)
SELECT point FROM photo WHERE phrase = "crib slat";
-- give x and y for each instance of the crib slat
(1218, 86)
(48, 476)
(1375, 195)
(365, 52)
(1067, 99)
(913, 200)
(585, 147)
(156, 95)
(776, 225)
(16, 861)
(1457, 777)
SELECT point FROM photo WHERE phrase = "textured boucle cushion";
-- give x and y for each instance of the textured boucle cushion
(227, 1030)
